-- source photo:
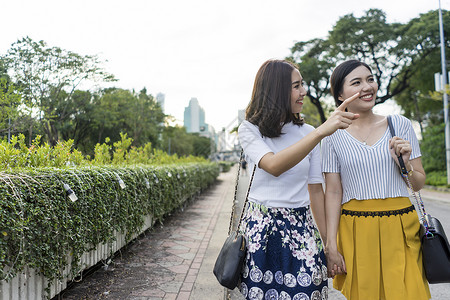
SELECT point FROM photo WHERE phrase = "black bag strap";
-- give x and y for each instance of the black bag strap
(235, 193)
(400, 158)
(404, 172)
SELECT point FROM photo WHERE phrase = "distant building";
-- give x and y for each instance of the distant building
(160, 98)
(194, 117)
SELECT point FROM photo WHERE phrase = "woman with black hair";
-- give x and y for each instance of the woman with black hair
(373, 245)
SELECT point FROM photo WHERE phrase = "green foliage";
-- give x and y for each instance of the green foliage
(75, 119)
(202, 146)
(43, 83)
(118, 110)
(403, 57)
(433, 149)
(363, 36)
(417, 100)
(176, 140)
(310, 114)
(40, 226)
(48, 77)
(437, 179)
(140, 155)
(102, 154)
(9, 101)
(121, 149)
(16, 155)
(225, 166)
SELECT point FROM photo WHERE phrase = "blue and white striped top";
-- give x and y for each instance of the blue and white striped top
(368, 172)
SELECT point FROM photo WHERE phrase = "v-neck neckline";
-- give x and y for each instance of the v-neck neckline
(365, 144)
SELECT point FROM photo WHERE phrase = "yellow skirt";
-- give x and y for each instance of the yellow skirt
(379, 240)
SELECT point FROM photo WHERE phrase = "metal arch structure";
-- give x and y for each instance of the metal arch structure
(227, 145)
(228, 139)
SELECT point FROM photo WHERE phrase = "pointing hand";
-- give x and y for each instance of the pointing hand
(339, 119)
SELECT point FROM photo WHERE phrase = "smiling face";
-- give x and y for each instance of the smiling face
(360, 80)
(298, 92)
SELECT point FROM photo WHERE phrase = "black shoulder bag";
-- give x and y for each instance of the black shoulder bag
(435, 247)
(230, 261)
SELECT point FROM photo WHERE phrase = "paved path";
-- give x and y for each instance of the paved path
(175, 260)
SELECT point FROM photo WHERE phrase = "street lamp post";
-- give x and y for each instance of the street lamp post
(444, 83)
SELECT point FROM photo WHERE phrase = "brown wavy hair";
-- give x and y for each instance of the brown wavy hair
(270, 105)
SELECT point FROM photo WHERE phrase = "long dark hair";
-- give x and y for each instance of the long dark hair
(270, 105)
(339, 74)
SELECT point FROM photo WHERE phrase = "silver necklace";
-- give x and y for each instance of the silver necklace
(365, 139)
(364, 142)
(370, 131)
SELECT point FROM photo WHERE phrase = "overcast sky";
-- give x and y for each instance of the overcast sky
(207, 49)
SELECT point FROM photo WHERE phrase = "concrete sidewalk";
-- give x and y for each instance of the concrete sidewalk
(428, 193)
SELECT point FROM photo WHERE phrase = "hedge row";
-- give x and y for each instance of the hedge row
(40, 224)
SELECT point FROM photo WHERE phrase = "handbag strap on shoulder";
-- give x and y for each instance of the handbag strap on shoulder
(404, 172)
(235, 193)
(400, 158)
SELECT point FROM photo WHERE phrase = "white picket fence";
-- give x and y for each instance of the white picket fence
(31, 286)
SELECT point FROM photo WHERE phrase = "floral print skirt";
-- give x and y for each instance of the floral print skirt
(285, 258)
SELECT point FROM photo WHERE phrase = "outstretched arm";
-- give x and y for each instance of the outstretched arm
(277, 164)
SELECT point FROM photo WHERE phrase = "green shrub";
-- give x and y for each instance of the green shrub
(433, 149)
(40, 225)
(225, 166)
(16, 155)
(437, 178)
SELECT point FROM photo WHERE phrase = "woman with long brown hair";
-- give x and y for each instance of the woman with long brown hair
(285, 258)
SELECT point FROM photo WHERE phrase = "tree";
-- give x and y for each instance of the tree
(201, 145)
(175, 140)
(315, 65)
(394, 51)
(138, 115)
(311, 115)
(147, 117)
(48, 77)
(106, 117)
(9, 102)
(433, 149)
(418, 101)
(77, 125)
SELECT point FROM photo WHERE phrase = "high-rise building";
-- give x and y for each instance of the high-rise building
(160, 98)
(194, 117)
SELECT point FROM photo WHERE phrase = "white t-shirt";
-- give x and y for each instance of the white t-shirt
(368, 172)
(290, 189)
